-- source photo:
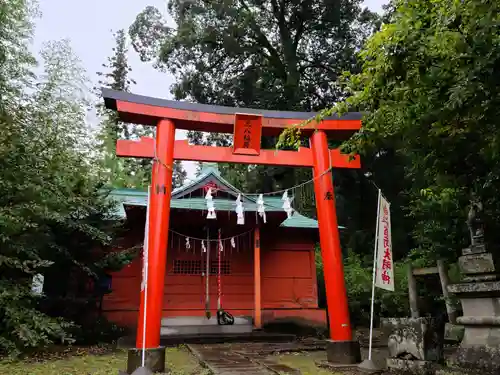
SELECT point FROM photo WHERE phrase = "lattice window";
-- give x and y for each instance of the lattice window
(197, 267)
(187, 267)
(225, 267)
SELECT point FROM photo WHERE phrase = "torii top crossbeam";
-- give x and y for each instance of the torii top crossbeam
(247, 125)
(144, 110)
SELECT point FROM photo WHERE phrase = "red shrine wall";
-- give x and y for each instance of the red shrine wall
(288, 280)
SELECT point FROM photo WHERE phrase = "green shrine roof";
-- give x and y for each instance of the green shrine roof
(182, 199)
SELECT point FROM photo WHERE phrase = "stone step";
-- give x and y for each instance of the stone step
(201, 321)
(250, 337)
(205, 329)
(207, 339)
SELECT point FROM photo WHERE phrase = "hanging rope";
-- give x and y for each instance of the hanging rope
(259, 197)
(223, 317)
(282, 191)
(208, 239)
(219, 260)
(248, 195)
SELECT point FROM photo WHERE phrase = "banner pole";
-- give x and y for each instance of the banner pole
(374, 276)
(145, 265)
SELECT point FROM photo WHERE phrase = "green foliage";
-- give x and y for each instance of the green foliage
(178, 174)
(54, 218)
(430, 94)
(358, 276)
(277, 55)
(22, 326)
(115, 261)
(429, 86)
(95, 360)
(15, 59)
(97, 331)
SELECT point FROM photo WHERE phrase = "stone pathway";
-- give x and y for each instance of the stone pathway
(260, 349)
(256, 358)
(223, 361)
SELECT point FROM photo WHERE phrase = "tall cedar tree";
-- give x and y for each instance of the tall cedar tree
(119, 172)
(123, 172)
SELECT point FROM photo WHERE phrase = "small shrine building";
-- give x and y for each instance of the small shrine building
(267, 270)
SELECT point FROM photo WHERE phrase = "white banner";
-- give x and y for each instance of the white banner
(145, 245)
(384, 276)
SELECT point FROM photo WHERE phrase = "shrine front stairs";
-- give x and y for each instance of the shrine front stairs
(200, 325)
(200, 330)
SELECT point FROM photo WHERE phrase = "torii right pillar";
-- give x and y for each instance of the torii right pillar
(341, 348)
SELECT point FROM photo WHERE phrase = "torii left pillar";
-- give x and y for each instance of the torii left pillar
(159, 217)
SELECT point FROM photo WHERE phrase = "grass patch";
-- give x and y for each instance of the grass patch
(304, 361)
(179, 361)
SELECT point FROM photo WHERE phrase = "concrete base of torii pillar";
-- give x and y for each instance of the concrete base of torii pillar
(154, 362)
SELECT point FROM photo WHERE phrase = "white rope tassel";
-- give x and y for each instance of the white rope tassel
(203, 246)
(287, 207)
(261, 209)
(210, 205)
(239, 211)
(188, 244)
(233, 243)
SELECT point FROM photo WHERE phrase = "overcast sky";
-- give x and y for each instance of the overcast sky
(90, 24)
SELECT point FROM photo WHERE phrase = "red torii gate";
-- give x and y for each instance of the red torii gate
(248, 126)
